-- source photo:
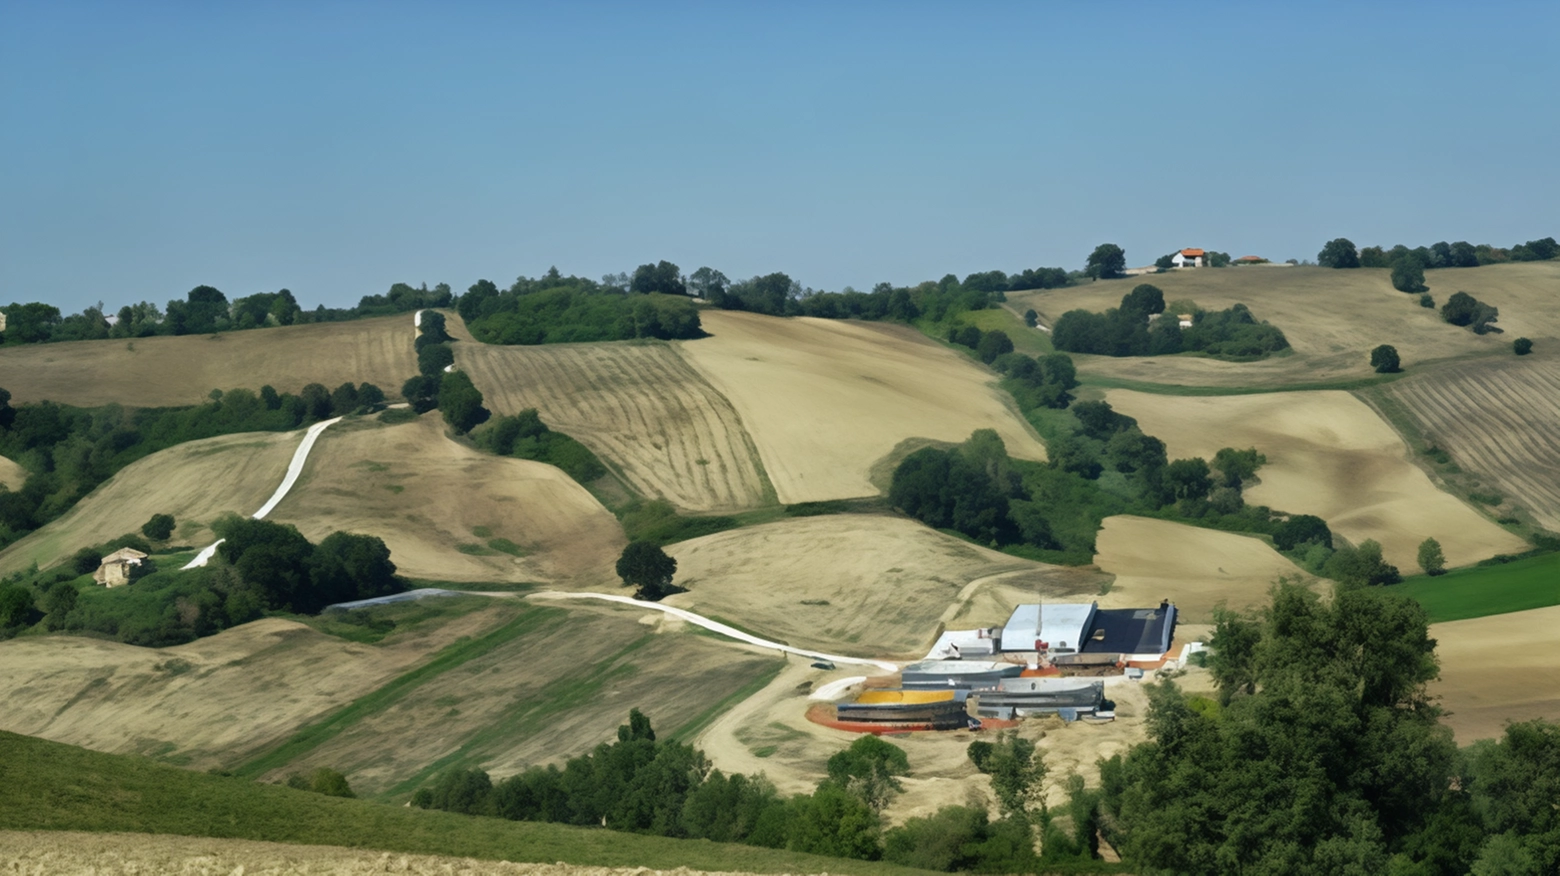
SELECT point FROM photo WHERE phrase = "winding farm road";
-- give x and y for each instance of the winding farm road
(294, 469)
(717, 626)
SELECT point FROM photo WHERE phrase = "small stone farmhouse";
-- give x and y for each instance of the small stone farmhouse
(1188, 258)
(117, 567)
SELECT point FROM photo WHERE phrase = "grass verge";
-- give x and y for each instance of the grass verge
(48, 786)
(697, 724)
(1480, 591)
(314, 735)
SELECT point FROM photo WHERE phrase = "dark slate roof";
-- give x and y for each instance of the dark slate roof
(1130, 630)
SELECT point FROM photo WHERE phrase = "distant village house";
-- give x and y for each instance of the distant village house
(1188, 258)
(119, 567)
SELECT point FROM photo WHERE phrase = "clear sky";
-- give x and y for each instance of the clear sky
(334, 148)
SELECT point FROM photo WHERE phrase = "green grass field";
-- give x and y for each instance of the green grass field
(48, 786)
(1486, 590)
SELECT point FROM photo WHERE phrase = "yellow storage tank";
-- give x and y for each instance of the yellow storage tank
(905, 696)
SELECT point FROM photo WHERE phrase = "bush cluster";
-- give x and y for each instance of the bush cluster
(525, 436)
(1142, 327)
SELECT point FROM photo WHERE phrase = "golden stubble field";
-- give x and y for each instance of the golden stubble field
(1496, 669)
(12, 476)
(48, 852)
(1499, 419)
(169, 371)
(553, 693)
(439, 505)
(826, 399)
(195, 482)
(213, 702)
(1330, 455)
(1195, 568)
(640, 407)
(1332, 318)
(860, 584)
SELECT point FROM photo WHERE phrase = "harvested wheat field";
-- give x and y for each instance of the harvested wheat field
(168, 371)
(47, 852)
(213, 702)
(1195, 568)
(640, 407)
(195, 482)
(1330, 455)
(554, 692)
(825, 399)
(1505, 667)
(1332, 318)
(852, 584)
(1525, 292)
(449, 512)
(11, 475)
(1499, 419)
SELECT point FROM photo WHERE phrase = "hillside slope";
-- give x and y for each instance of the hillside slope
(169, 371)
(1332, 318)
(1330, 455)
(441, 506)
(638, 406)
(826, 399)
(195, 482)
(1497, 669)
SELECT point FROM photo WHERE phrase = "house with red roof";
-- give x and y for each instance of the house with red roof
(1188, 258)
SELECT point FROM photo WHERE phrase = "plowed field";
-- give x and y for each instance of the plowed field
(1330, 455)
(826, 399)
(441, 506)
(641, 408)
(159, 372)
(194, 482)
(1500, 420)
(1495, 669)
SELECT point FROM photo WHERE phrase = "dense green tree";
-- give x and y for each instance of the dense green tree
(1236, 467)
(1031, 318)
(346, 567)
(1165, 262)
(1189, 478)
(993, 344)
(1430, 557)
(330, 783)
(1129, 451)
(1427, 302)
(16, 605)
(316, 402)
(1522, 346)
(422, 392)
(834, 822)
(1302, 529)
(1145, 300)
(1514, 784)
(1338, 253)
(7, 413)
(1107, 262)
(1463, 309)
(1385, 359)
(30, 323)
(648, 569)
(870, 768)
(1374, 257)
(159, 527)
(1016, 769)
(708, 283)
(1099, 420)
(272, 557)
(434, 358)
(344, 400)
(662, 277)
(1361, 566)
(461, 402)
(1408, 276)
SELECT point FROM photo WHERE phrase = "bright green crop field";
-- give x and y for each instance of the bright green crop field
(1485, 590)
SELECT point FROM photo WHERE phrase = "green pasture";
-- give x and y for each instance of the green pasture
(1480, 591)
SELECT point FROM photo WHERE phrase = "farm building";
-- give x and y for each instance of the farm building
(1075, 633)
(1188, 258)
(118, 567)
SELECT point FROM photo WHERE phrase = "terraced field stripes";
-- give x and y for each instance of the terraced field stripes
(1500, 421)
(639, 407)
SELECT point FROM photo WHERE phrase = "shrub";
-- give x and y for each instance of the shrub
(1385, 359)
(1339, 253)
(1426, 301)
(1522, 346)
(159, 528)
(1408, 276)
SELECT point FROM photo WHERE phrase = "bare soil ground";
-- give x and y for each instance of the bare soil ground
(1504, 667)
(1499, 419)
(543, 698)
(212, 702)
(11, 475)
(161, 372)
(47, 852)
(439, 505)
(638, 406)
(853, 584)
(1332, 318)
(195, 482)
(825, 399)
(1197, 569)
(1330, 455)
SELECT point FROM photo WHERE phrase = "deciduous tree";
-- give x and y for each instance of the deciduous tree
(648, 569)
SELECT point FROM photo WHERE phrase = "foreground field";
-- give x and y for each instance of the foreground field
(639, 407)
(852, 584)
(168, 371)
(113, 794)
(826, 399)
(557, 688)
(1332, 318)
(211, 702)
(195, 482)
(1499, 419)
(449, 512)
(1330, 455)
(1197, 569)
(1496, 669)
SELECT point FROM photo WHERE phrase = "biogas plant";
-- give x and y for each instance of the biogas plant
(1048, 659)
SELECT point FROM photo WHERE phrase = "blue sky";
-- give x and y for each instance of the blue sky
(334, 148)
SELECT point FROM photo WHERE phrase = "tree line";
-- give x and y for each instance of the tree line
(1143, 326)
